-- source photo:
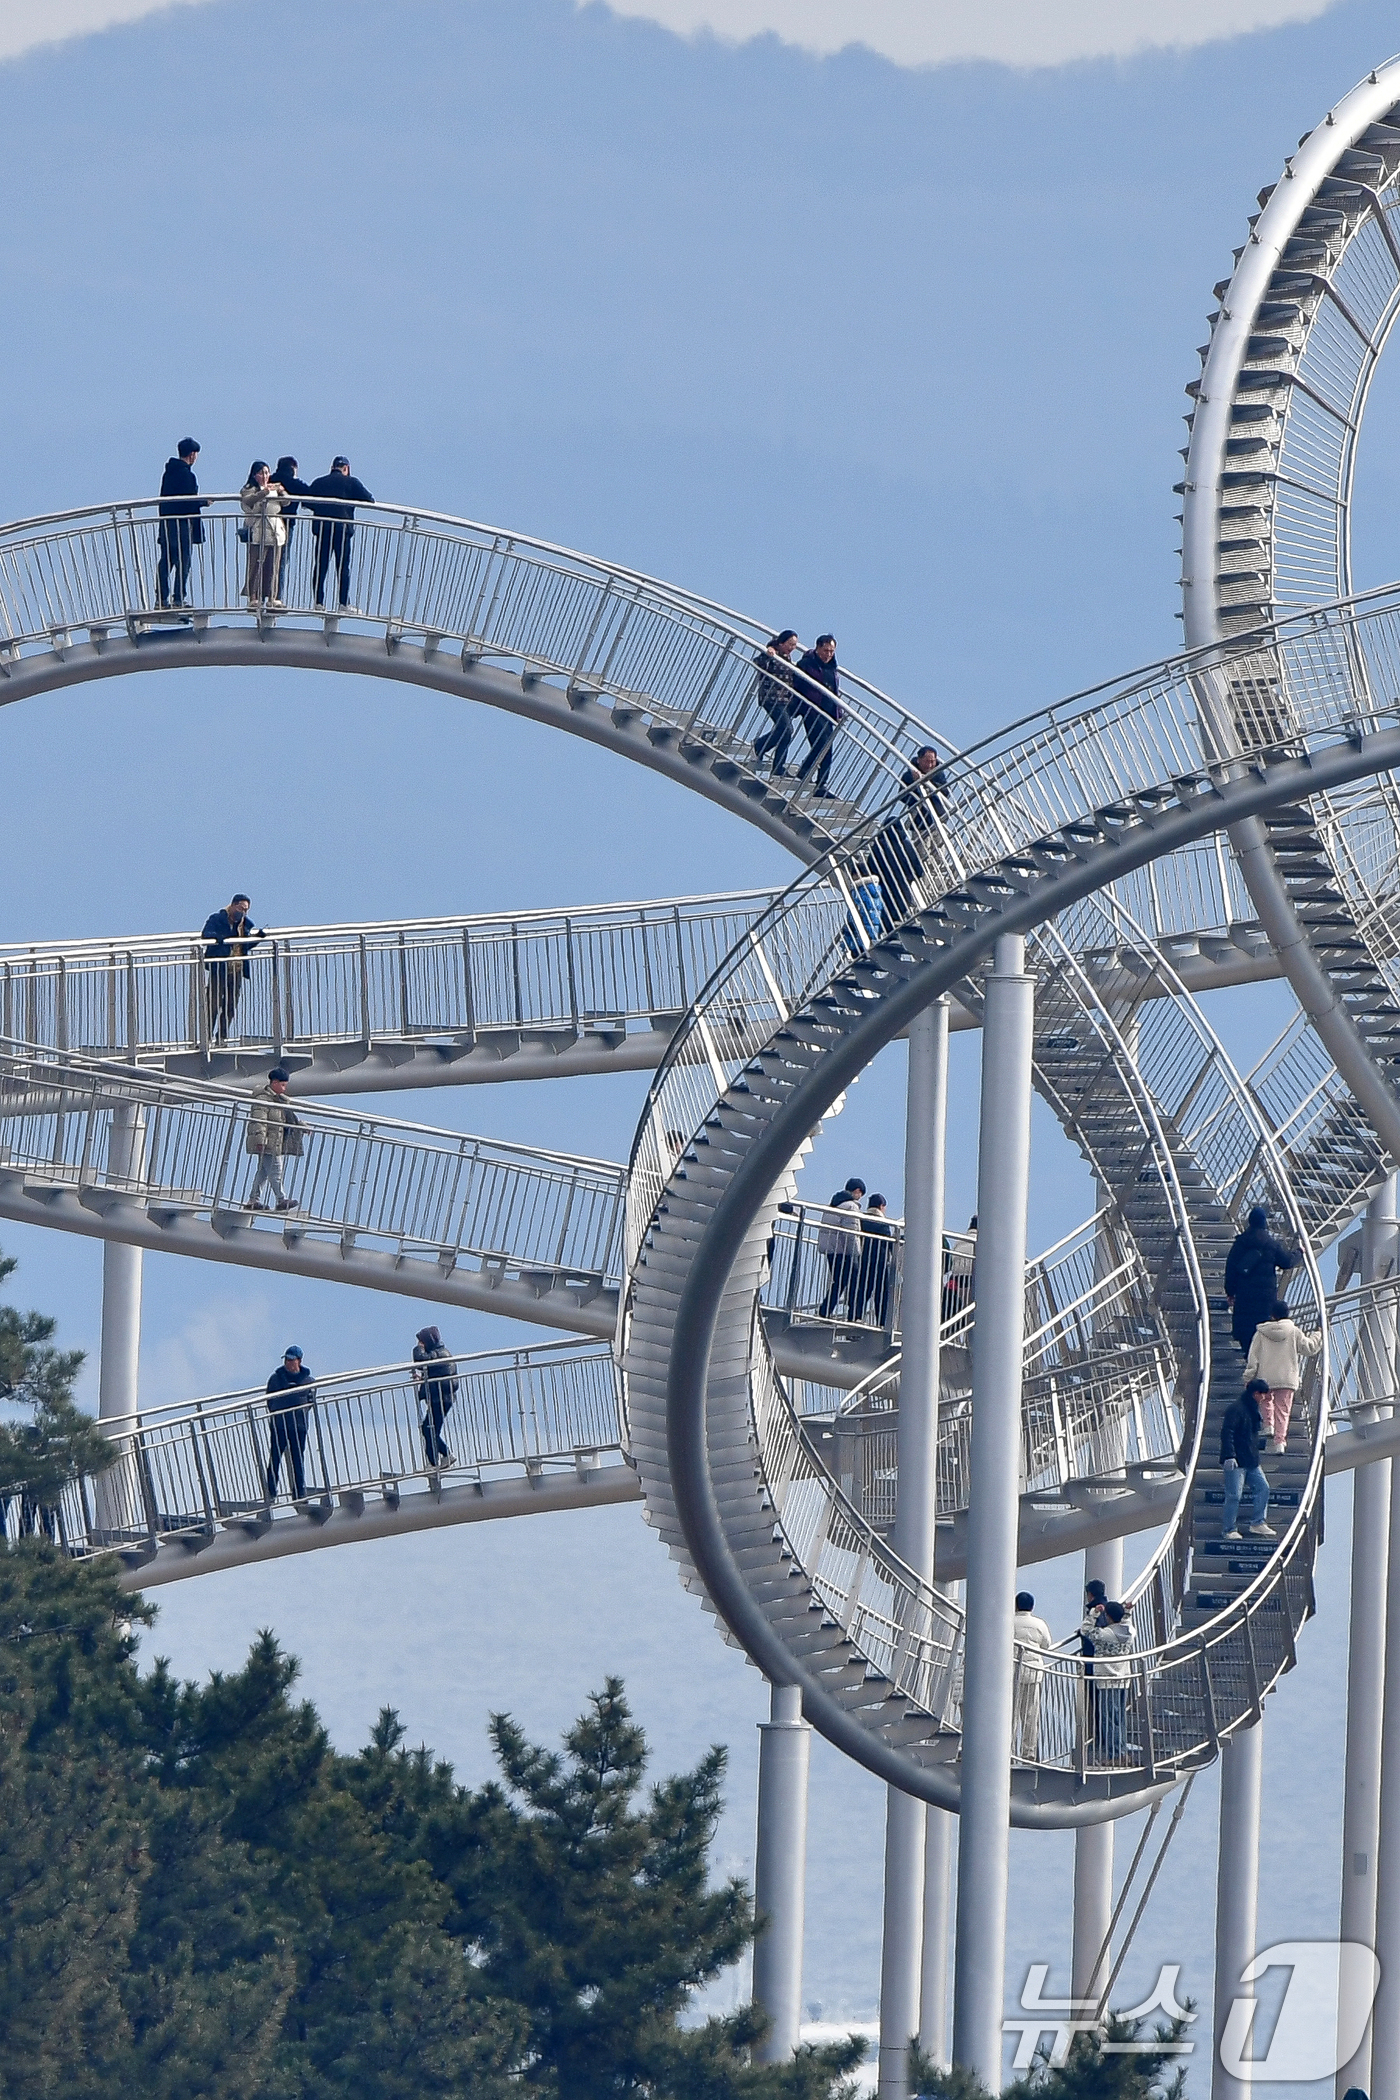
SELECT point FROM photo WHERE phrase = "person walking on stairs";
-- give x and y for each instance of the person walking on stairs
(437, 1389)
(1241, 1437)
(1251, 1275)
(1275, 1359)
(290, 1391)
(818, 708)
(274, 1134)
(774, 694)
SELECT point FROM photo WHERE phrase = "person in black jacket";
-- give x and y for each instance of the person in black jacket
(897, 849)
(437, 1389)
(818, 708)
(876, 1274)
(285, 473)
(333, 499)
(1251, 1275)
(181, 526)
(1241, 1436)
(229, 938)
(290, 1391)
(774, 694)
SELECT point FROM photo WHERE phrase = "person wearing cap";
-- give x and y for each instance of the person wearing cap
(333, 499)
(1251, 1275)
(290, 1391)
(181, 526)
(274, 1134)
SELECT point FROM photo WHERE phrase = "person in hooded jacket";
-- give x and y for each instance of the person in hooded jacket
(437, 1389)
(285, 475)
(181, 527)
(1251, 1275)
(1275, 1360)
(1241, 1437)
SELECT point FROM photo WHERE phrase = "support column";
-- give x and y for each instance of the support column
(780, 1870)
(1091, 1960)
(926, 1121)
(1370, 1541)
(1003, 1187)
(121, 1282)
(933, 1983)
(1237, 1888)
(1384, 2036)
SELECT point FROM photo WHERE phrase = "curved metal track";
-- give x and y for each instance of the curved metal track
(875, 1653)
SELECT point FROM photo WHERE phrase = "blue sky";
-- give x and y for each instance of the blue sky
(894, 352)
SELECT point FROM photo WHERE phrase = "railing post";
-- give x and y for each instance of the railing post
(364, 993)
(1003, 1175)
(515, 974)
(469, 995)
(573, 974)
(276, 961)
(133, 1014)
(403, 983)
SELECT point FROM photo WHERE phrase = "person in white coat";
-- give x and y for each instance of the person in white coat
(1276, 1355)
(1034, 1641)
(265, 531)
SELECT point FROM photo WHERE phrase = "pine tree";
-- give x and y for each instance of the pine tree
(40, 1456)
(1089, 2073)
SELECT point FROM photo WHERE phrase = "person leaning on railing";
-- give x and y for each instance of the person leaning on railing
(229, 938)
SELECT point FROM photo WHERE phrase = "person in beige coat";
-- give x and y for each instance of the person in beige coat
(266, 532)
(274, 1134)
(1276, 1355)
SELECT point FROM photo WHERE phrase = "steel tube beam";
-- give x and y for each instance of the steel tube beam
(121, 1283)
(1003, 1188)
(1237, 1888)
(926, 1120)
(1370, 1542)
(1384, 2034)
(780, 1871)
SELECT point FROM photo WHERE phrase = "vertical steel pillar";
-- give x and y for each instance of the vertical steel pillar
(1090, 1960)
(780, 1870)
(1384, 2036)
(1371, 1682)
(926, 1120)
(1003, 1187)
(121, 1282)
(1237, 1888)
(933, 1982)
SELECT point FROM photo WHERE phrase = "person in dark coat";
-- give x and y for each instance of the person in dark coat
(229, 938)
(876, 1277)
(818, 708)
(181, 527)
(1241, 1440)
(290, 1392)
(437, 1389)
(285, 473)
(1251, 1275)
(333, 499)
(898, 848)
(775, 695)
